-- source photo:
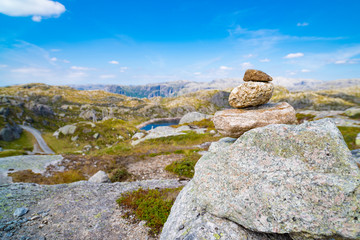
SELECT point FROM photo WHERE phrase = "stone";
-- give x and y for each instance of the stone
(194, 117)
(66, 130)
(357, 139)
(96, 135)
(250, 94)
(289, 179)
(74, 138)
(99, 177)
(187, 220)
(356, 155)
(20, 212)
(256, 76)
(10, 132)
(138, 135)
(221, 144)
(234, 122)
(352, 112)
(89, 115)
(40, 109)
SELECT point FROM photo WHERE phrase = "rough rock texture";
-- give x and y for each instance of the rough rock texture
(66, 130)
(234, 122)
(81, 210)
(188, 220)
(193, 117)
(251, 94)
(40, 109)
(221, 144)
(10, 132)
(296, 179)
(257, 76)
(99, 177)
(352, 112)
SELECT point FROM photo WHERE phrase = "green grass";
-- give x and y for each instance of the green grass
(302, 117)
(25, 142)
(185, 166)
(9, 153)
(349, 134)
(151, 205)
(57, 178)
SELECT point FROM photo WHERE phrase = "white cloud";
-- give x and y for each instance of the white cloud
(264, 60)
(225, 68)
(107, 76)
(35, 8)
(3, 66)
(305, 70)
(246, 65)
(66, 61)
(248, 55)
(81, 68)
(346, 61)
(197, 73)
(114, 62)
(304, 24)
(54, 59)
(36, 18)
(30, 70)
(123, 69)
(294, 55)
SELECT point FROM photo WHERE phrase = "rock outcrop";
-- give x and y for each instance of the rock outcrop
(299, 180)
(234, 122)
(100, 177)
(10, 132)
(193, 117)
(65, 130)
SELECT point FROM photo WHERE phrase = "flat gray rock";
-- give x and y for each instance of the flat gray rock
(99, 177)
(193, 116)
(296, 179)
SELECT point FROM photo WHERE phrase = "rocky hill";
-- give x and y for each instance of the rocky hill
(176, 88)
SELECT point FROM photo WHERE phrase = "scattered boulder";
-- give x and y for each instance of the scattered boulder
(352, 112)
(89, 115)
(56, 98)
(10, 132)
(138, 135)
(256, 76)
(96, 135)
(234, 122)
(194, 117)
(99, 177)
(66, 130)
(251, 94)
(20, 212)
(5, 111)
(288, 179)
(40, 109)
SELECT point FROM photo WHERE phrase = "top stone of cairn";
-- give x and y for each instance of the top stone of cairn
(256, 76)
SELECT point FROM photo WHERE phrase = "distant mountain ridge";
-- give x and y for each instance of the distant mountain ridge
(176, 88)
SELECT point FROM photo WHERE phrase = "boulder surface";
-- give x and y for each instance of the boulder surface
(257, 76)
(299, 180)
(193, 117)
(251, 94)
(234, 122)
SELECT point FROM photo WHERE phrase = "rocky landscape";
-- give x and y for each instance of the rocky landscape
(270, 163)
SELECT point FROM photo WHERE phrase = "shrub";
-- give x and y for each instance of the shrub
(184, 167)
(119, 175)
(151, 205)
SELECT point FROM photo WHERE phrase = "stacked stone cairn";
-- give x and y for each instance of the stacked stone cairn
(252, 109)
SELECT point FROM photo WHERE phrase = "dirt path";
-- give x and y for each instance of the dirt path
(39, 139)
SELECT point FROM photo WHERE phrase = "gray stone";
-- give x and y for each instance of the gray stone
(352, 112)
(357, 139)
(96, 135)
(138, 135)
(99, 177)
(188, 220)
(356, 154)
(234, 122)
(74, 138)
(89, 115)
(66, 130)
(221, 144)
(40, 109)
(194, 117)
(296, 179)
(10, 132)
(20, 212)
(250, 94)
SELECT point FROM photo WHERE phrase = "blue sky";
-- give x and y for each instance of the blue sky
(138, 42)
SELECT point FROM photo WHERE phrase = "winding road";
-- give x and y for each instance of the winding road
(36, 133)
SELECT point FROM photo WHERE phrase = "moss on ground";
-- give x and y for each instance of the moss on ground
(57, 178)
(151, 205)
(9, 153)
(349, 134)
(304, 117)
(119, 175)
(184, 167)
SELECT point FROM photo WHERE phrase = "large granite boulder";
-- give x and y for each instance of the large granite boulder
(40, 109)
(289, 179)
(100, 177)
(256, 76)
(251, 94)
(10, 132)
(234, 122)
(194, 117)
(65, 130)
(189, 221)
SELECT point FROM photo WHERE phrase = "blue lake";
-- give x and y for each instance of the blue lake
(160, 124)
